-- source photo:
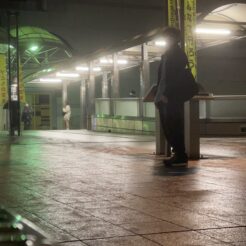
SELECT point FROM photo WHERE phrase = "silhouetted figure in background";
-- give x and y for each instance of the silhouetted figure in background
(26, 117)
(67, 114)
(171, 108)
(132, 93)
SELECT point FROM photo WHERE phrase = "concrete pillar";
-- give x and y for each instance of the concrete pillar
(192, 129)
(111, 103)
(115, 78)
(83, 106)
(145, 82)
(91, 97)
(144, 76)
(64, 93)
(105, 92)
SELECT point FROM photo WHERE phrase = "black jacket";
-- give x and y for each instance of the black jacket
(173, 63)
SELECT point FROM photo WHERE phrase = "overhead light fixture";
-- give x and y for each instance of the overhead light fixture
(110, 61)
(213, 31)
(82, 68)
(97, 69)
(47, 70)
(160, 43)
(122, 61)
(106, 61)
(67, 75)
(86, 69)
(48, 80)
(33, 48)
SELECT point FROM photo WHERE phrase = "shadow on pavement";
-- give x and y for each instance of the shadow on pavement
(161, 170)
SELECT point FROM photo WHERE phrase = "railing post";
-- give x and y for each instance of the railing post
(144, 76)
(83, 104)
(91, 97)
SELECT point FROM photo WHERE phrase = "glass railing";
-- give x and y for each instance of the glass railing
(124, 107)
(215, 107)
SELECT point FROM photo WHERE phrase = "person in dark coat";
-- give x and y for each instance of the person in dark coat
(26, 117)
(171, 108)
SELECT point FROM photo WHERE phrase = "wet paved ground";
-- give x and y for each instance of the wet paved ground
(104, 189)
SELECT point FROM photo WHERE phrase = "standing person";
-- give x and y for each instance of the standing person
(26, 117)
(171, 107)
(67, 114)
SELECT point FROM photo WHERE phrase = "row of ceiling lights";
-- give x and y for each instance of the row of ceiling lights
(223, 32)
(61, 75)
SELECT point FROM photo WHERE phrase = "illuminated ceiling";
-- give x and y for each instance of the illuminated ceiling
(52, 53)
(39, 49)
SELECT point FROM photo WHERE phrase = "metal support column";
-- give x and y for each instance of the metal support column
(83, 107)
(144, 76)
(64, 93)
(116, 81)
(111, 102)
(105, 91)
(18, 72)
(91, 97)
(13, 76)
(11, 131)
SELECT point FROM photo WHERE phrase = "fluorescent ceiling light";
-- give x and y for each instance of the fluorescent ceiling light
(47, 80)
(122, 61)
(81, 68)
(213, 31)
(106, 61)
(110, 61)
(47, 70)
(96, 69)
(67, 75)
(33, 48)
(160, 43)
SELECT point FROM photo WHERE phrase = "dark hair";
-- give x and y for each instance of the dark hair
(172, 32)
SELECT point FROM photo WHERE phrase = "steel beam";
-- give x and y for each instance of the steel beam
(91, 97)
(64, 93)
(115, 78)
(144, 76)
(83, 106)
(105, 92)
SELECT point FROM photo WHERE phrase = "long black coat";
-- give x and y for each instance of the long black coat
(173, 63)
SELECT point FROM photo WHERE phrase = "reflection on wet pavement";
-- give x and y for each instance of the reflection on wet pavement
(88, 188)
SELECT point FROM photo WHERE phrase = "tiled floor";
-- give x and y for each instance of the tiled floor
(87, 188)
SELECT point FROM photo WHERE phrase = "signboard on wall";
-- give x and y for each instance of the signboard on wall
(22, 86)
(3, 80)
(189, 26)
(172, 13)
(189, 34)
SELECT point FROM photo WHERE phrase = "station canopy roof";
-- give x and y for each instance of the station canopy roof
(40, 50)
(44, 54)
(35, 34)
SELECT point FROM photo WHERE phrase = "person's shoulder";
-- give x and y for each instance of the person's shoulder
(177, 53)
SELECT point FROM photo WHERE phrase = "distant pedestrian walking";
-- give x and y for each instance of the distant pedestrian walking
(26, 117)
(67, 114)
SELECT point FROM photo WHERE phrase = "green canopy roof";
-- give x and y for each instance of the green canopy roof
(28, 33)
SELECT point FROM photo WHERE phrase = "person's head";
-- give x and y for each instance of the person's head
(172, 35)
(132, 93)
(27, 105)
